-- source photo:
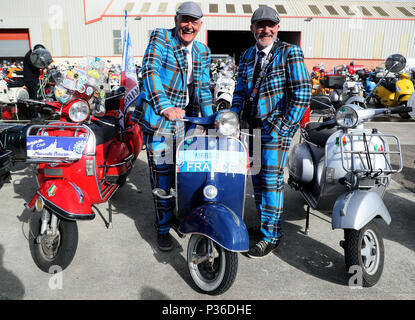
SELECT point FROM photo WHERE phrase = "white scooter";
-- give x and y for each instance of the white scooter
(9, 97)
(225, 85)
(342, 168)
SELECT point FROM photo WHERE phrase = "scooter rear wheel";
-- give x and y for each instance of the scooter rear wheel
(211, 277)
(53, 251)
(364, 248)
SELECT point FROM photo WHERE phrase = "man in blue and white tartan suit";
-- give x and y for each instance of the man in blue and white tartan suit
(273, 92)
(175, 72)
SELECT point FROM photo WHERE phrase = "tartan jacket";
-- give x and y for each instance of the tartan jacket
(285, 91)
(165, 81)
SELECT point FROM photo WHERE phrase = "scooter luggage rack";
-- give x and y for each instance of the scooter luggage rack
(366, 156)
(56, 126)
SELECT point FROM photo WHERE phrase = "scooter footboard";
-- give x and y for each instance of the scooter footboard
(218, 223)
(355, 209)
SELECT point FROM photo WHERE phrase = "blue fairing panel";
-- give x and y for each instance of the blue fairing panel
(218, 223)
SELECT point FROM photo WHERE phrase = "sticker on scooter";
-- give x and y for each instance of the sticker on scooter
(52, 190)
(55, 147)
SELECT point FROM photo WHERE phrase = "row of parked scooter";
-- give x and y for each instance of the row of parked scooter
(380, 88)
(84, 155)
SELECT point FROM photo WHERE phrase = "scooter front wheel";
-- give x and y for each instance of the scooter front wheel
(212, 268)
(52, 249)
(364, 248)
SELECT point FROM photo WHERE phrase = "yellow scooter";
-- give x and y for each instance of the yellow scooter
(391, 93)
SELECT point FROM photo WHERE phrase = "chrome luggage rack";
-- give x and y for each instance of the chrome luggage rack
(367, 156)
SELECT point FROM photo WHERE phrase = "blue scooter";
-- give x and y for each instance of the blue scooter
(211, 172)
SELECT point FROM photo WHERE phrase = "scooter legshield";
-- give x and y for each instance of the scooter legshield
(66, 199)
(218, 223)
(355, 209)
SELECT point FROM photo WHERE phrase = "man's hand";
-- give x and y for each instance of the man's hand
(174, 113)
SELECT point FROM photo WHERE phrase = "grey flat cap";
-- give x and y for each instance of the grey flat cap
(265, 13)
(189, 8)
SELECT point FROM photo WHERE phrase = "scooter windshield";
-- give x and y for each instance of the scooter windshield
(84, 80)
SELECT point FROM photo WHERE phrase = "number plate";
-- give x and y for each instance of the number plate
(211, 160)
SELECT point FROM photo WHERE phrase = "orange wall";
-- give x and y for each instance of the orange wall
(330, 62)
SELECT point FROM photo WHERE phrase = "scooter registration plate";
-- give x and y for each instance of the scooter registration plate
(220, 161)
(55, 147)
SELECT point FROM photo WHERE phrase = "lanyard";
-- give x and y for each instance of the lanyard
(262, 73)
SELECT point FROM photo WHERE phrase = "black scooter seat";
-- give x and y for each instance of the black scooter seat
(104, 132)
(390, 84)
(319, 137)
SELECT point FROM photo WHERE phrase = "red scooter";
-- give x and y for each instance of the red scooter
(81, 160)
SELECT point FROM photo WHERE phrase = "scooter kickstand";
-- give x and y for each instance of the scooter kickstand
(307, 221)
(109, 226)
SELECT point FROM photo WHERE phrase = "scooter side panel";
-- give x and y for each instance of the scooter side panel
(218, 223)
(66, 199)
(353, 210)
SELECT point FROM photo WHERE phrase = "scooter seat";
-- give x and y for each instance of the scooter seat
(319, 137)
(104, 132)
(390, 84)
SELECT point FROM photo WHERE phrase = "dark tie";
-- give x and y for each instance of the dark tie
(258, 67)
(185, 52)
(257, 70)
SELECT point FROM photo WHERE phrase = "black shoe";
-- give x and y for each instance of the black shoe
(261, 249)
(164, 242)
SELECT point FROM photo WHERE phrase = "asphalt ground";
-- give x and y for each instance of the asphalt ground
(124, 262)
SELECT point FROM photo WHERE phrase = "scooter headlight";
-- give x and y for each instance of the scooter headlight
(346, 117)
(210, 192)
(79, 111)
(226, 122)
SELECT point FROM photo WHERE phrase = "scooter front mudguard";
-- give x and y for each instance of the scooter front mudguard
(355, 209)
(224, 96)
(65, 199)
(218, 223)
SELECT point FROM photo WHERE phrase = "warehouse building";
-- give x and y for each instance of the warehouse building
(331, 32)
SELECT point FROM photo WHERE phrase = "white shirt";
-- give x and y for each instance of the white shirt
(266, 50)
(189, 59)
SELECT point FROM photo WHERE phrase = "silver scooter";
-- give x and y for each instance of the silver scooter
(344, 169)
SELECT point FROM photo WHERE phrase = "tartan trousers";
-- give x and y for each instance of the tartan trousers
(161, 152)
(269, 182)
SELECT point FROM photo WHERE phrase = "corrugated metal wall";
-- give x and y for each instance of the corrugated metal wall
(60, 25)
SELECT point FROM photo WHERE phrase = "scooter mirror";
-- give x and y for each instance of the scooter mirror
(395, 62)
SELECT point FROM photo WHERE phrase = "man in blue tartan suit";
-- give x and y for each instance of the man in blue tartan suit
(175, 72)
(273, 92)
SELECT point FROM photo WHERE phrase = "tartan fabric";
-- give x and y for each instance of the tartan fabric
(283, 98)
(165, 80)
(285, 92)
(160, 156)
(269, 182)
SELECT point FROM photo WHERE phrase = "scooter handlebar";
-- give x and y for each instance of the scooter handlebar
(401, 109)
(325, 124)
(199, 120)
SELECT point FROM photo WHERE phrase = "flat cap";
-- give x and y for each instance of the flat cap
(189, 8)
(265, 13)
